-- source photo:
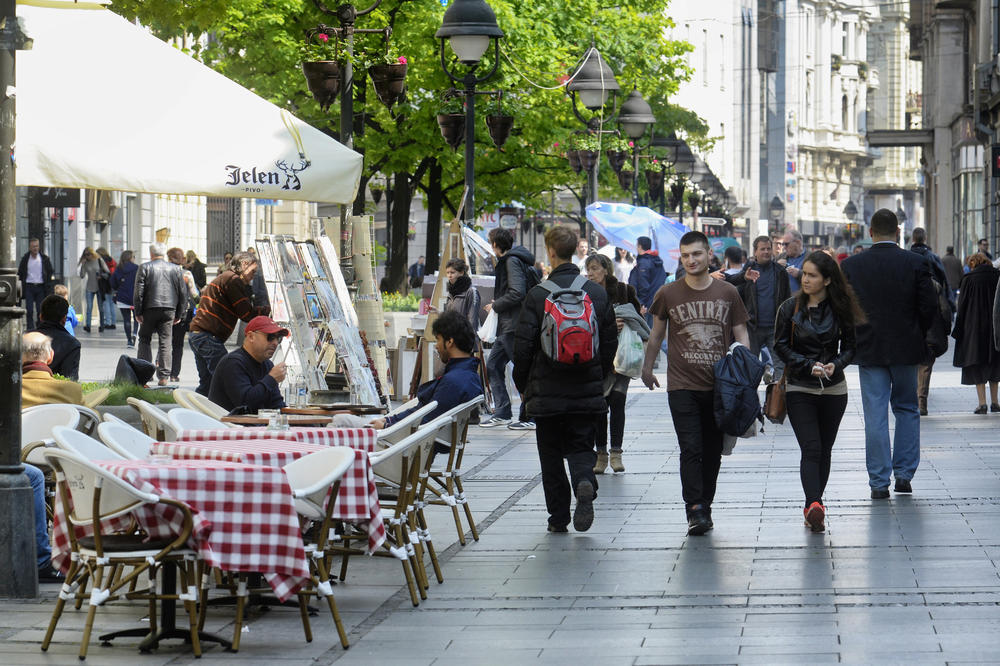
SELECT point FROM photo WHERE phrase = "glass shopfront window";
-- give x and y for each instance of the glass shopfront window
(968, 199)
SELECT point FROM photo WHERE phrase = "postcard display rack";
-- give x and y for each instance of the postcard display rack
(310, 297)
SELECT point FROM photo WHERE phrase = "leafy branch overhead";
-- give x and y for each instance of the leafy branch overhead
(260, 45)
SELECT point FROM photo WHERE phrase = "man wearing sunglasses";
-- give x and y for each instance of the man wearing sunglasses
(246, 378)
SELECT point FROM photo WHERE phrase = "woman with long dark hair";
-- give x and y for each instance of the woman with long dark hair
(600, 270)
(973, 332)
(814, 336)
(123, 283)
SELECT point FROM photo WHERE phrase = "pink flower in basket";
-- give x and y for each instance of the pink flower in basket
(402, 60)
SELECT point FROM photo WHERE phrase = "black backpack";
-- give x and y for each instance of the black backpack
(937, 335)
(737, 376)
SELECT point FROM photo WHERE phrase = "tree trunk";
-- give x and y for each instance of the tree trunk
(433, 251)
(400, 222)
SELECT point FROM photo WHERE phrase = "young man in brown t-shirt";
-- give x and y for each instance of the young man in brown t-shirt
(706, 316)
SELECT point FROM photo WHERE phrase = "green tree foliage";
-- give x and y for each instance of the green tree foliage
(259, 43)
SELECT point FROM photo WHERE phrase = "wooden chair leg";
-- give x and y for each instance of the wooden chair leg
(91, 612)
(450, 492)
(425, 537)
(241, 599)
(324, 576)
(343, 567)
(74, 570)
(304, 612)
(191, 578)
(468, 509)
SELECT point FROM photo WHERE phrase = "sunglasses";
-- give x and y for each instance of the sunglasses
(271, 337)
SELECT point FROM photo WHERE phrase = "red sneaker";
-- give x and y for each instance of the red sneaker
(814, 517)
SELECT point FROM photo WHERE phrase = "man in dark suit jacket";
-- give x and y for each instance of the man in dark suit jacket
(895, 290)
(65, 346)
(35, 273)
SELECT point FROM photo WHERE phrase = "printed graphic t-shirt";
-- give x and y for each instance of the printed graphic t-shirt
(699, 330)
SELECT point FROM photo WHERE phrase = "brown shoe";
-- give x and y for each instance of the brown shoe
(602, 463)
(163, 382)
(616, 460)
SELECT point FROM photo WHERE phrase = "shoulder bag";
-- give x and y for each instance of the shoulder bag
(774, 400)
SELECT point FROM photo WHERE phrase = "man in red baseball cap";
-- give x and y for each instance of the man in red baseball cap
(246, 378)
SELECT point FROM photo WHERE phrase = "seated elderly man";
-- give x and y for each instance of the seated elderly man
(52, 322)
(459, 383)
(246, 378)
(38, 386)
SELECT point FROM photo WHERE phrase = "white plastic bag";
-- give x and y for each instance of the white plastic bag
(488, 331)
(630, 355)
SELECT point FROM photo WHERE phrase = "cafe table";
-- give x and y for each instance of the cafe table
(357, 501)
(356, 438)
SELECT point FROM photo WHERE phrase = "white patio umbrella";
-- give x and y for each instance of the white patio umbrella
(103, 104)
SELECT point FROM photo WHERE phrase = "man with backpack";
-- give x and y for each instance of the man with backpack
(565, 344)
(945, 296)
(705, 317)
(515, 275)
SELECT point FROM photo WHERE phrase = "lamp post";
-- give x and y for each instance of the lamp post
(469, 25)
(594, 82)
(635, 117)
(776, 212)
(851, 213)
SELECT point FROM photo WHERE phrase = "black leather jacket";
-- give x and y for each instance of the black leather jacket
(817, 337)
(160, 284)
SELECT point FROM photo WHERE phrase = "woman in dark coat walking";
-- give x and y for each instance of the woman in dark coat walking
(600, 270)
(462, 295)
(975, 352)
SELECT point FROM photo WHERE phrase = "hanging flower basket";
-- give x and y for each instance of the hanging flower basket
(625, 179)
(693, 200)
(499, 126)
(616, 158)
(323, 77)
(389, 81)
(588, 158)
(452, 128)
(574, 160)
(654, 180)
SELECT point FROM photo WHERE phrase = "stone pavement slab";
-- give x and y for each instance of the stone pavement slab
(913, 580)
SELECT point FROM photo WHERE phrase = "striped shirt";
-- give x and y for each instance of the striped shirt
(224, 301)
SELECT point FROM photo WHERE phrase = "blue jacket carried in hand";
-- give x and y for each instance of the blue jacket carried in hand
(458, 384)
(648, 276)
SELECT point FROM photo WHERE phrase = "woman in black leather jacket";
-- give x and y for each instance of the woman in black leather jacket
(814, 336)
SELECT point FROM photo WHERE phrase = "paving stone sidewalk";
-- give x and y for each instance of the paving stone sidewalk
(910, 580)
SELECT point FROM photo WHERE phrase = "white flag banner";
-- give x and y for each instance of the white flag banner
(103, 104)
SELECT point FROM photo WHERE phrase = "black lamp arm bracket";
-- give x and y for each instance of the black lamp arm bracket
(595, 123)
(470, 80)
(346, 13)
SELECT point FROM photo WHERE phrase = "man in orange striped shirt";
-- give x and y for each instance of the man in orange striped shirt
(224, 302)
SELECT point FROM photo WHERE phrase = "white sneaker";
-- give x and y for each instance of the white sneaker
(494, 422)
(521, 425)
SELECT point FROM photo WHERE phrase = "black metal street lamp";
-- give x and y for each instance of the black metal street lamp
(593, 81)
(776, 212)
(635, 117)
(469, 25)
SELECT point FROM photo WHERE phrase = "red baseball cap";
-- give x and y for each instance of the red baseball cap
(264, 324)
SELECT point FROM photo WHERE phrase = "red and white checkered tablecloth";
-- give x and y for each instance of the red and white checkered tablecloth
(244, 516)
(357, 500)
(353, 437)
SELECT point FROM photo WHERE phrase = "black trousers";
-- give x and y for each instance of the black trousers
(700, 442)
(616, 407)
(569, 437)
(815, 420)
(177, 342)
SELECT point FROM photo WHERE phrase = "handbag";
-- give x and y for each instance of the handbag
(774, 399)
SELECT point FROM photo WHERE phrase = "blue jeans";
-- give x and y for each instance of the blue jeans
(34, 294)
(882, 386)
(496, 366)
(208, 351)
(108, 309)
(91, 297)
(43, 551)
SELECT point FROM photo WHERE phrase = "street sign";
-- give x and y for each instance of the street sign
(57, 197)
(508, 221)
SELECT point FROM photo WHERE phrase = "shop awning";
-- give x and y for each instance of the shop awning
(103, 104)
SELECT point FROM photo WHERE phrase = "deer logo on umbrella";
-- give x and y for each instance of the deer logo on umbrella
(292, 181)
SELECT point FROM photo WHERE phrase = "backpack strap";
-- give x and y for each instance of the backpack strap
(575, 285)
(549, 286)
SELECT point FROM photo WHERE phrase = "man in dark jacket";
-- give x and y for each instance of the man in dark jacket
(895, 291)
(35, 274)
(159, 301)
(919, 240)
(247, 377)
(952, 269)
(65, 346)
(514, 274)
(564, 400)
(648, 275)
(763, 287)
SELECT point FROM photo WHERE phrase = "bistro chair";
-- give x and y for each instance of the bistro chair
(96, 496)
(125, 440)
(96, 397)
(86, 447)
(315, 482)
(111, 418)
(154, 420)
(36, 429)
(182, 418)
(196, 401)
(405, 426)
(445, 483)
(89, 419)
